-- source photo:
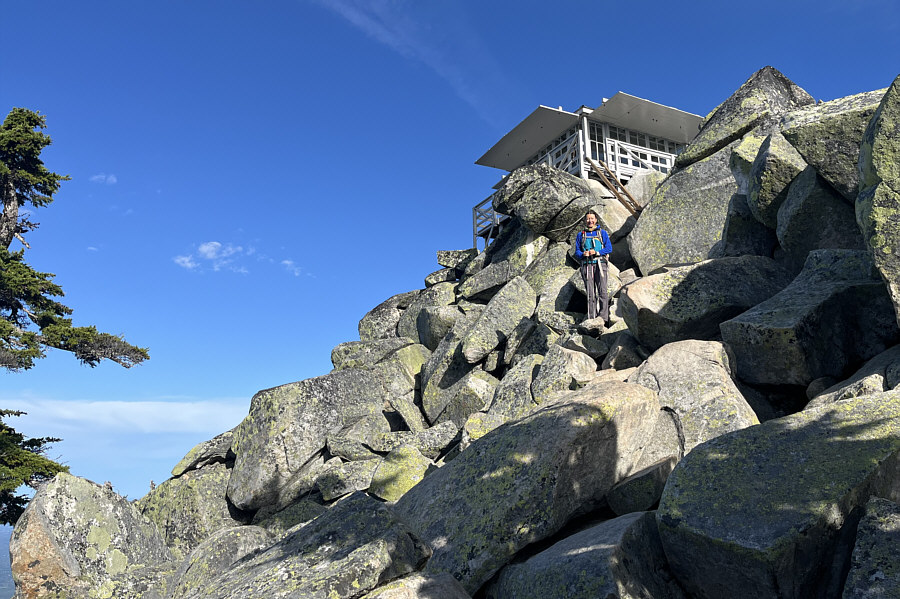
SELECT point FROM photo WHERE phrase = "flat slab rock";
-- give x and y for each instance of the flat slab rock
(762, 509)
(352, 548)
(522, 481)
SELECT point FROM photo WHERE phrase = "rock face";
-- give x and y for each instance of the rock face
(351, 549)
(834, 314)
(515, 302)
(691, 301)
(873, 569)
(764, 97)
(607, 560)
(813, 216)
(75, 535)
(878, 202)
(467, 446)
(773, 169)
(828, 136)
(694, 380)
(685, 219)
(521, 482)
(190, 508)
(288, 425)
(552, 203)
(764, 509)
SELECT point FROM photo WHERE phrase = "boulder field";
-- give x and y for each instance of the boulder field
(733, 431)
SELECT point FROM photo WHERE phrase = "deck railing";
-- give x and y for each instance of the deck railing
(485, 221)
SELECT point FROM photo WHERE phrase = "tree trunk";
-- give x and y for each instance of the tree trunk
(9, 220)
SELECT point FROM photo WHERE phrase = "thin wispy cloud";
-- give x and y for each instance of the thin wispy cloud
(292, 268)
(105, 179)
(442, 41)
(140, 417)
(216, 256)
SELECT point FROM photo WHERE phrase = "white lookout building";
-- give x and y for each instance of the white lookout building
(608, 143)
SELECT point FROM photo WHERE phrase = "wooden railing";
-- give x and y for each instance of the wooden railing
(485, 221)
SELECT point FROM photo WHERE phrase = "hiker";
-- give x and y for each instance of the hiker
(592, 249)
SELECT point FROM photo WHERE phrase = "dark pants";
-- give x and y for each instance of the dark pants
(595, 276)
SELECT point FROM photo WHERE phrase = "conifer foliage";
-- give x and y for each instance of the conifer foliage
(31, 320)
(22, 462)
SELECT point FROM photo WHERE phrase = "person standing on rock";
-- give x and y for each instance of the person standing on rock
(592, 249)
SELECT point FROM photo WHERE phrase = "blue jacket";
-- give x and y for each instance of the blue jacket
(596, 240)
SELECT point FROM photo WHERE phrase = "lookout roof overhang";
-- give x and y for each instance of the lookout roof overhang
(623, 110)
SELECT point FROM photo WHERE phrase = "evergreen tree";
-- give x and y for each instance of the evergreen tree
(31, 319)
(22, 462)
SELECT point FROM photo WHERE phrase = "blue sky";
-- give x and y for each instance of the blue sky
(249, 178)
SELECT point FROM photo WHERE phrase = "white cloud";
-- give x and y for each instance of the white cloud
(215, 255)
(209, 417)
(213, 250)
(292, 268)
(91, 248)
(104, 178)
(185, 262)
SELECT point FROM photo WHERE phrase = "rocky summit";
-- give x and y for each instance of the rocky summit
(733, 431)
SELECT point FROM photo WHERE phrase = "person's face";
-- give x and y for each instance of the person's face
(591, 221)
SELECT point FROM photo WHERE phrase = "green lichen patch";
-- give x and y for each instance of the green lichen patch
(766, 501)
(401, 470)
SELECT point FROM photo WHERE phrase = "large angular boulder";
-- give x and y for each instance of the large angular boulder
(457, 259)
(873, 567)
(442, 375)
(555, 300)
(759, 102)
(190, 508)
(278, 522)
(881, 373)
(878, 202)
(742, 234)
(352, 548)
(813, 216)
(562, 370)
(775, 166)
(441, 294)
(523, 481)
(516, 301)
(76, 535)
(643, 184)
(365, 354)
(346, 478)
(512, 397)
(430, 442)
(400, 471)
(762, 512)
(216, 555)
(381, 321)
(689, 302)
(687, 215)
(203, 454)
(434, 322)
(288, 426)
(552, 203)
(828, 136)
(548, 264)
(620, 558)
(835, 314)
(694, 380)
